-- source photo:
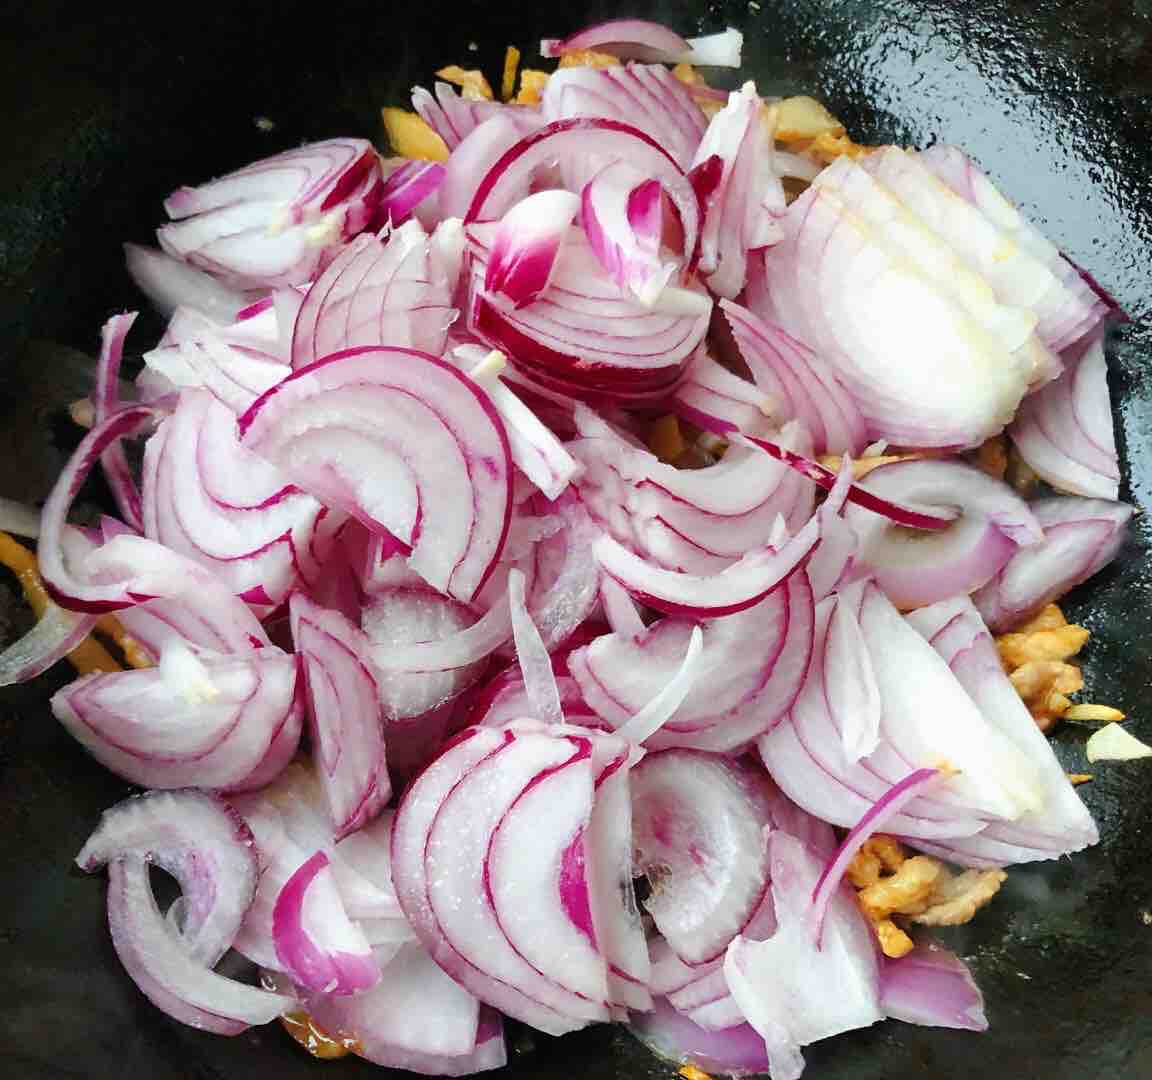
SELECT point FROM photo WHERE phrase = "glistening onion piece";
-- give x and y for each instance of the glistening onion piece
(406, 187)
(532, 656)
(452, 116)
(315, 940)
(1064, 431)
(651, 41)
(663, 706)
(915, 569)
(56, 633)
(170, 283)
(376, 293)
(527, 245)
(932, 987)
(670, 1035)
(106, 399)
(405, 443)
(231, 727)
(1081, 537)
(697, 825)
(344, 712)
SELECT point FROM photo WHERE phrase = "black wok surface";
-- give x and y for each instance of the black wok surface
(107, 111)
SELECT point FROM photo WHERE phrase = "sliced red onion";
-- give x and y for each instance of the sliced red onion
(477, 153)
(56, 633)
(932, 987)
(19, 518)
(834, 560)
(106, 399)
(915, 568)
(743, 584)
(315, 940)
(205, 845)
(376, 293)
(782, 984)
(620, 609)
(740, 691)
(527, 244)
(838, 284)
(536, 451)
(735, 1051)
(427, 649)
(464, 937)
(170, 283)
(405, 188)
(208, 497)
(653, 716)
(622, 217)
(452, 116)
(212, 723)
(1017, 258)
(405, 443)
(882, 811)
(713, 394)
(344, 710)
(911, 517)
(274, 221)
(1060, 824)
(798, 383)
(734, 216)
(362, 866)
(697, 825)
(532, 656)
(1081, 537)
(415, 1018)
(585, 335)
(1064, 431)
(646, 95)
(644, 40)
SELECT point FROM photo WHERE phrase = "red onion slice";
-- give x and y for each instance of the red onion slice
(932, 987)
(648, 96)
(1081, 537)
(916, 569)
(208, 497)
(798, 383)
(170, 283)
(232, 719)
(697, 825)
(647, 40)
(315, 940)
(106, 398)
(661, 708)
(405, 188)
(344, 709)
(532, 656)
(373, 431)
(56, 633)
(1064, 431)
(782, 984)
(711, 396)
(743, 584)
(376, 293)
(527, 245)
(734, 1051)
(477, 153)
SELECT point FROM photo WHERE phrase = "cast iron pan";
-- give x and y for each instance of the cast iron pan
(108, 111)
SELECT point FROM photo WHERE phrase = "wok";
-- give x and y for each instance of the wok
(110, 109)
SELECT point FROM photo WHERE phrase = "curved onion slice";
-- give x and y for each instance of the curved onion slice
(210, 498)
(932, 987)
(315, 941)
(207, 847)
(452, 116)
(527, 245)
(170, 283)
(735, 215)
(647, 95)
(646, 40)
(376, 293)
(1064, 431)
(106, 399)
(697, 822)
(272, 222)
(734, 1051)
(753, 665)
(344, 709)
(1081, 537)
(233, 726)
(464, 938)
(405, 443)
(56, 633)
(917, 568)
(744, 583)
(782, 984)
(1060, 824)
(798, 383)
(406, 187)
(532, 656)
(709, 395)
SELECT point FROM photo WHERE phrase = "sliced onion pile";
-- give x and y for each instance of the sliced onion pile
(467, 657)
